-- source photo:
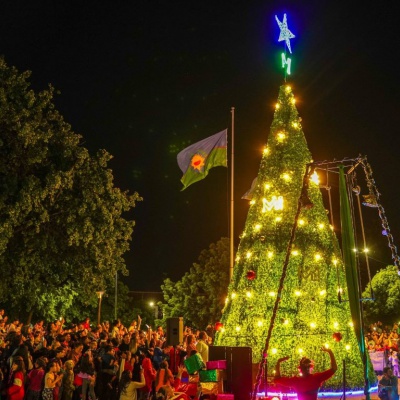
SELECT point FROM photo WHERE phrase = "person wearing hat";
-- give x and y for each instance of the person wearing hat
(307, 384)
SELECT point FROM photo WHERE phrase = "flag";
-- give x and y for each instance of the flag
(196, 160)
(249, 194)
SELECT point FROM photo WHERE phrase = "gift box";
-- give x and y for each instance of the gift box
(217, 364)
(209, 388)
(194, 363)
(225, 396)
(209, 375)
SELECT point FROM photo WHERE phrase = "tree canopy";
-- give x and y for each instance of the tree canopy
(200, 295)
(382, 303)
(64, 225)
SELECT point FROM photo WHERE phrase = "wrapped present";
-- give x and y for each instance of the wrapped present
(209, 375)
(194, 363)
(225, 396)
(209, 388)
(217, 364)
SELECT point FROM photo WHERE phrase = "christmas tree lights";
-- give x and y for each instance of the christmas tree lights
(311, 313)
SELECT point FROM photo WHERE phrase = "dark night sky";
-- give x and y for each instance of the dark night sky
(143, 79)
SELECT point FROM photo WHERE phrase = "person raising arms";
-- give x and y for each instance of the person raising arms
(307, 385)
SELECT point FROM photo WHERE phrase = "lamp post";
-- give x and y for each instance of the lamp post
(99, 295)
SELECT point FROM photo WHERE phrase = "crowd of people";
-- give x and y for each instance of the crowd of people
(56, 361)
(385, 339)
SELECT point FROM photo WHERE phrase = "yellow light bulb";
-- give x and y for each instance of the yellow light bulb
(252, 202)
(314, 178)
(293, 101)
(248, 254)
(271, 294)
(321, 226)
(266, 150)
(260, 323)
(286, 177)
(336, 325)
(277, 106)
(326, 345)
(348, 347)
(233, 295)
(322, 292)
(300, 351)
(257, 227)
(288, 89)
(313, 325)
(278, 219)
(274, 351)
(297, 293)
(351, 324)
(267, 186)
(317, 257)
(301, 222)
(222, 330)
(295, 252)
(286, 322)
(281, 136)
(295, 125)
(237, 328)
(270, 254)
(249, 294)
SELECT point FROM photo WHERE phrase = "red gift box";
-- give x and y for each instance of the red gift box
(225, 396)
(217, 364)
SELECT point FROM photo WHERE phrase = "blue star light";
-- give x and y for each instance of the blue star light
(285, 34)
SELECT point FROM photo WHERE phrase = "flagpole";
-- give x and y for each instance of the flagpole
(232, 235)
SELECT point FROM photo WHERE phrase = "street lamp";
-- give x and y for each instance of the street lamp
(99, 295)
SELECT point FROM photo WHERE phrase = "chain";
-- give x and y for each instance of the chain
(373, 191)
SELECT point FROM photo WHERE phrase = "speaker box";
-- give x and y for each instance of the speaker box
(175, 331)
(238, 369)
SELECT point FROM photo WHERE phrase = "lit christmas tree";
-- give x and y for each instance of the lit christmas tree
(313, 309)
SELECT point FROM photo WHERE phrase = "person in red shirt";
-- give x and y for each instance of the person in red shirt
(15, 389)
(307, 384)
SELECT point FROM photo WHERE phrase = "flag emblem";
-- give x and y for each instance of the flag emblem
(198, 162)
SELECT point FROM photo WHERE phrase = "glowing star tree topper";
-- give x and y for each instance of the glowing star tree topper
(285, 34)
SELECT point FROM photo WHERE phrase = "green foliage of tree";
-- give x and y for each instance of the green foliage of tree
(385, 304)
(199, 296)
(64, 225)
(309, 311)
(128, 308)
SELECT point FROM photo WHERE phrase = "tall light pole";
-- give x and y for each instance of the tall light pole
(99, 295)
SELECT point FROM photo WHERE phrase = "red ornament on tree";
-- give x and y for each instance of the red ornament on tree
(337, 336)
(218, 326)
(251, 275)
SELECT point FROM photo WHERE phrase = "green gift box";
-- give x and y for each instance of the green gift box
(194, 363)
(209, 375)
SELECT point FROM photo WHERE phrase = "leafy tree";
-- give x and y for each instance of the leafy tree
(64, 225)
(199, 296)
(128, 308)
(385, 304)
